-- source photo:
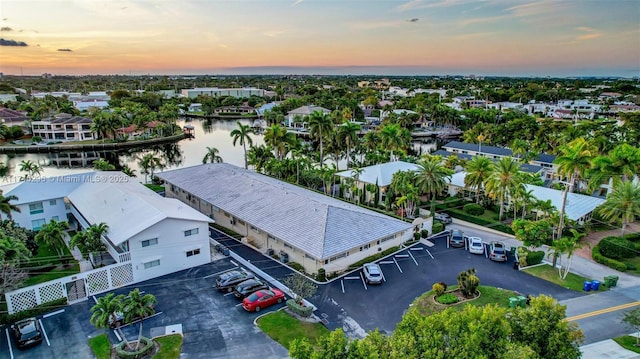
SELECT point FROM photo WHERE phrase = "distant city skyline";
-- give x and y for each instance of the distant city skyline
(417, 37)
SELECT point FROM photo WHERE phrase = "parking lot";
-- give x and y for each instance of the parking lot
(410, 273)
(214, 323)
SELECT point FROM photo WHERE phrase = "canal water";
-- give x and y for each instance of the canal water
(185, 153)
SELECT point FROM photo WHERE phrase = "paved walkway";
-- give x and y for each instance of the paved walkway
(607, 349)
(594, 238)
(85, 265)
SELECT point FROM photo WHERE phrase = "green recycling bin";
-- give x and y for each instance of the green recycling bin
(522, 301)
(611, 281)
(513, 302)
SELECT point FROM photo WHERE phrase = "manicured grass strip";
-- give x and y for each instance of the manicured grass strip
(573, 281)
(54, 274)
(100, 346)
(425, 305)
(155, 187)
(284, 328)
(170, 347)
(628, 342)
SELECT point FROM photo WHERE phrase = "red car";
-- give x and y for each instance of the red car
(262, 299)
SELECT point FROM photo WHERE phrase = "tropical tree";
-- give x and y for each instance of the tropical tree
(478, 169)
(259, 156)
(632, 319)
(570, 245)
(348, 134)
(573, 162)
(241, 135)
(103, 165)
(139, 306)
(212, 156)
(90, 240)
(149, 163)
(6, 206)
(432, 178)
(105, 312)
(503, 181)
(621, 164)
(623, 204)
(128, 171)
(275, 137)
(13, 254)
(393, 137)
(31, 169)
(320, 126)
(53, 234)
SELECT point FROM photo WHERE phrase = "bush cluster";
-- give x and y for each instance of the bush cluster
(534, 258)
(617, 248)
(147, 346)
(611, 263)
(447, 299)
(303, 311)
(473, 209)
(322, 275)
(438, 289)
(438, 227)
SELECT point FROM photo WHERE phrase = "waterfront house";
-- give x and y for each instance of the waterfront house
(63, 127)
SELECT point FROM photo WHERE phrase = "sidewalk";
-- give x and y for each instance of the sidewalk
(607, 349)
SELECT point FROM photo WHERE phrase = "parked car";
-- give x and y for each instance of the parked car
(475, 245)
(262, 299)
(497, 252)
(372, 273)
(228, 280)
(27, 332)
(247, 287)
(443, 217)
(456, 238)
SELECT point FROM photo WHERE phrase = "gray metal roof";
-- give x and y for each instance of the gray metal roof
(382, 174)
(474, 147)
(524, 167)
(319, 225)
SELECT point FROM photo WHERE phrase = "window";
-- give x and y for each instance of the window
(215, 209)
(193, 252)
(341, 255)
(37, 223)
(386, 239)
(365, 247)
(152, 264)
(241, 222)
(191, 232)
(124, 246)
(52, 202)
(255, 229)
(149, 242)
(56, 218)
(309, 257)
(35, 208)
(287, 245)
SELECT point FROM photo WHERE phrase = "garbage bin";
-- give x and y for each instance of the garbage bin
(587, 286)
(595, 285)
(614, 280)
(513, 251)
(611, 281)
(513, 302)
(522, 301)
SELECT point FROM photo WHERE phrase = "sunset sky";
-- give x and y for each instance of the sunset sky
(421, 37)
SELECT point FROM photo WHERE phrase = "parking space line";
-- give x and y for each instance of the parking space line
(397, 265)
(117, 335)
(218, 273)
(342, 284)
(430, 255)
(382, 274)
(94, 299)
(386, 262)
(9, 343)
(239, 304)
(363, 282)
(44, 332)
(234, 263)
(53, 313)
(486, 250)
(227, 294)
(412, 257)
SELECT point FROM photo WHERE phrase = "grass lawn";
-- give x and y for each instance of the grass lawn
(573, 281)
(170, 347)
(425, 305)
(284, 328)
(628, 342)
(54, 274)
(155, 187)
(635, 261)
(47, 256)
(101, 346)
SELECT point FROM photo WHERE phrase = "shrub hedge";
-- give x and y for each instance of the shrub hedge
(374, 257)
(447, 299)
(617, 248)
(473, 209)
(481, 221)
(301, 310)
(322, 275)
(534, 258)
(611, 263)
(33, 312)
(147, 345)
(438, 227)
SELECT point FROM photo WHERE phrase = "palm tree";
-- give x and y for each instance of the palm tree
(621, 164)
(275, 136)
(32, 169)
(348, 133)
(241, 134)
(128, 171)
(622, 204)
(574, 160)
(393, 137)
(137, 306)
(569, 247)
(432, 178)
(320, 125)
(212, 156)
(149, 164)
(105, 312)
(259, 156)
(53, 234)
(5, 204)
(103, 165)
(503, 181)
(478, 170)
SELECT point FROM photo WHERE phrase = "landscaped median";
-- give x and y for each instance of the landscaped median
(166, 347)
(284, 328)
(572, 281)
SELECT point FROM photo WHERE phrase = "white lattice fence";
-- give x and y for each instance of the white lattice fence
(96, 281)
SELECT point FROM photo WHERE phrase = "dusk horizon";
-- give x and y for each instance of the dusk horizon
(539, 38)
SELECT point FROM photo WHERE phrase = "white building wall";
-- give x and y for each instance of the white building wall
(54, 208)
(171, 249)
